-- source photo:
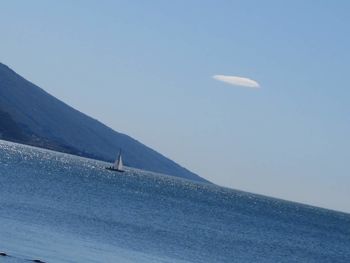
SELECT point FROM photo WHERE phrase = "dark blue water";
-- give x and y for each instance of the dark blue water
(62, 208)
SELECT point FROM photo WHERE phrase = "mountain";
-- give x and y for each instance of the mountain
(31, 116)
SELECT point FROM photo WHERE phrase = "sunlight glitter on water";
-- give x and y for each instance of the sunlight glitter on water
(62, 208)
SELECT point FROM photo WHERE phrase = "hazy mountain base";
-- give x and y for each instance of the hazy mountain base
(10, 131)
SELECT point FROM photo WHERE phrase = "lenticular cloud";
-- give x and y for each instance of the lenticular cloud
(237, 81)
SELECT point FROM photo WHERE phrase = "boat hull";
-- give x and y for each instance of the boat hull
(114, 170)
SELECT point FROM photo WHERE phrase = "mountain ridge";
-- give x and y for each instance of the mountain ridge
(42, 120)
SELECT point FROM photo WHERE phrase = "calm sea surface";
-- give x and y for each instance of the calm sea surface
(60, 208)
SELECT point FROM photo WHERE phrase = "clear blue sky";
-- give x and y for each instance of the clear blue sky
(145, 68)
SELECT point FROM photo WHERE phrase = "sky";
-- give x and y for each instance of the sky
(251, 95)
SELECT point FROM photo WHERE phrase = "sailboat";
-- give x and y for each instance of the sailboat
(118, 164)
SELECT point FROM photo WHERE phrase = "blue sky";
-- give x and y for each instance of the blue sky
(146, 68)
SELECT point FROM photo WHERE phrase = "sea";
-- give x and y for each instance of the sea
(56, 207)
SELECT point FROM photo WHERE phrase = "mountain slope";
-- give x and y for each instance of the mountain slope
(30, 115)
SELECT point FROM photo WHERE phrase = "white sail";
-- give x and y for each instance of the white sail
(118, 164)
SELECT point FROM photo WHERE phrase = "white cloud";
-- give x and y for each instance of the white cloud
(237, 81)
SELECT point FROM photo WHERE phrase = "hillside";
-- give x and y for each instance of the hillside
(30, 115)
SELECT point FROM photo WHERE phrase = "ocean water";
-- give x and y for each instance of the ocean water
(61, 208)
